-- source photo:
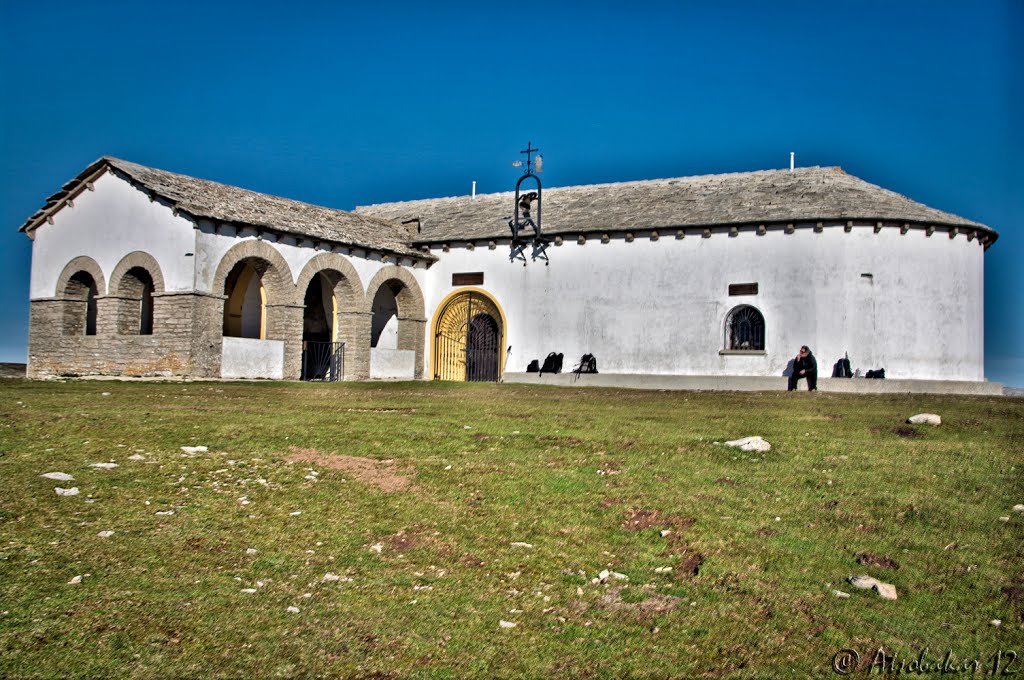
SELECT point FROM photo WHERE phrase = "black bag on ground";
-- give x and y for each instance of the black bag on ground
(878, 374)
(842, 369)
(552, 364)
(588, 364)
(533, 367)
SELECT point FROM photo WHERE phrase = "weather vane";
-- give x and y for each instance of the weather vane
(524, 219)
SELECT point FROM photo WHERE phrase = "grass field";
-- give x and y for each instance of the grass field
(444, 510)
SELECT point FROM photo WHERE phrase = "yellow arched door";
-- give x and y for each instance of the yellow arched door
(469, 338)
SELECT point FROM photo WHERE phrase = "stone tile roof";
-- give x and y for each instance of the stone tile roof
(223, 203)
(762, 197)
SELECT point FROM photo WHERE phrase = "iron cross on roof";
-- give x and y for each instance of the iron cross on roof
(529, 151)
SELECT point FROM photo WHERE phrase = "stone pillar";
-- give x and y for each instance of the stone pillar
(411, 334)
(284, 322)
(354, 331)
(107, 309)
(202, 316)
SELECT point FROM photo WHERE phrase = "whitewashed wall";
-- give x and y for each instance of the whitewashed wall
(660, 307)
(106, 224)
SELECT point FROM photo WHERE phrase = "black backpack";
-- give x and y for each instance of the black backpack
(552, 364)
(533, 367)
(879, 374)
(588, 364)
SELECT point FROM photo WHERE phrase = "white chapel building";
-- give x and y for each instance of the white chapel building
(710, 281)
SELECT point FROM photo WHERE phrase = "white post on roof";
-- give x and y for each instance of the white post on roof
(474, 189)
(792, 160)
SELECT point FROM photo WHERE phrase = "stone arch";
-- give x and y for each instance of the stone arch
(79, 286)
(136, 278)
(409, 310)
(140, 260)
(85, 264)
(274, 272)
(337, 302)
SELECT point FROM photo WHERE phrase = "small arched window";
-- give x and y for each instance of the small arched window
(80, 312)
(744, 329)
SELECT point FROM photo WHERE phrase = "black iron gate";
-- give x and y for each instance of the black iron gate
(482, 349)
(323, 361)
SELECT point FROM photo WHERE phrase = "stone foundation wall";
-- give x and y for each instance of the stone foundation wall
(186, 338)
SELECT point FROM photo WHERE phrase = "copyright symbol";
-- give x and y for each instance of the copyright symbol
(845, 661)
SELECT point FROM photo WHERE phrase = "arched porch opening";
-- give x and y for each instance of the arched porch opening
(135, 311)
(396, 324)
(245, 310)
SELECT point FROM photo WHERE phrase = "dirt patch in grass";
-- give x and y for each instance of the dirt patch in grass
(690, 565)
(380, 410)
(471, 560)
(403, 541)
(653, 605)
(639, 520)
(561, 441)
(382, 474)
(908, 432)
(765, 532)
(726, 481)
(872, 560)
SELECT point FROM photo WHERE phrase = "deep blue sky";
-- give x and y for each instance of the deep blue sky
(344, 105)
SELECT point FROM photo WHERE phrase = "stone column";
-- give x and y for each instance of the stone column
(201, 315)
(284, 322)
(354, 331)
(107, 309)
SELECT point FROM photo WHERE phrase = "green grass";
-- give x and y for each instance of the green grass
(491, 465)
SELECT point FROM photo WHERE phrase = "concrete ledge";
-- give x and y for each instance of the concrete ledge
(753, 383)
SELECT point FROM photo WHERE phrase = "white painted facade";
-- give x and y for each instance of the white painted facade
(660, 307)
(904, 300)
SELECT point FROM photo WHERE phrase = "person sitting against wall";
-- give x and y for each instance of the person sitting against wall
(805, 366)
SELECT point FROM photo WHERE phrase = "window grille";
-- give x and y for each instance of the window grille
(744, 329)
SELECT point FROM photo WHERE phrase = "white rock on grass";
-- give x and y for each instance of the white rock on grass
(520, 544)
(194, 449)
(840, 594)
(293, 610)
(750, 444)
(1019, 507)
(925, 419)
(330, 577)
(105, 466)
(250, 551)
(75, 581)
(164, 513)
(73, 491)
(995, 623)
(136, 457)
(105, 534)
(886, 591)
(248, 591)
(507, 624)
(58, 476)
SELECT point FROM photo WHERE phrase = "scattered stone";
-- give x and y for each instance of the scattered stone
(105, 534)
(250, 551)
(662, 570)
(507, 624)
(995, 622)
(750, 444)
(136, 456)
(75, 581)
(249, 591)
(665, 532)
(1019, 507)
(330, 577)
(104, 394)
(840, 594)
(296, 513)
(1004, 519)
(377, 547)
(194, 449)
(105, 466)
(886, 591)
(925, 419)
(73, 491)
(520, 544)
(58, 476)
(293, 610)
(164, 513)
